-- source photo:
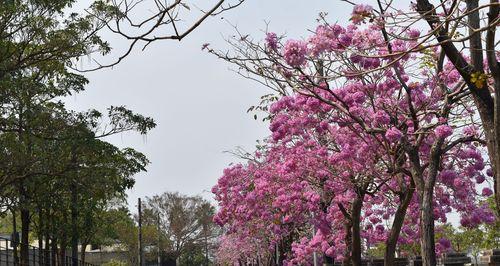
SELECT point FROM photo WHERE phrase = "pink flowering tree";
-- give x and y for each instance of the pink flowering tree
(474, 54)
(311, 154)
(259, 198)
(238, 249)
(410, 109)
(466, 33)
(351, 169)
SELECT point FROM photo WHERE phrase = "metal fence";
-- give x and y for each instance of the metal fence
(10, 256)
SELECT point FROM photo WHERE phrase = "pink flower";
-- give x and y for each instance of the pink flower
(448, 176)
(393, 134)
(272, 41)
(443, 131)
(324, 39)
(489, 172)
(470, 131)
(381, 117)
(444, 243)
(465, 222)
(345, 39)
(295, 53)
(413, 33)
(487, 192)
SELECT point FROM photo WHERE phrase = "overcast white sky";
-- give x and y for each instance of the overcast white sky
(198, 103)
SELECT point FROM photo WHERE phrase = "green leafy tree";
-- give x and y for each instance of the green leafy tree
(185, 223)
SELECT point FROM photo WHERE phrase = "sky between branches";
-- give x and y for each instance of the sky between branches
(198, 103)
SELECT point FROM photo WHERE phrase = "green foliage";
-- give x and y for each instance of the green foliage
(193, 255)
(377, 251)
(54, 164)
(472, 240)
(410, 250)
(492, 231)
(6, 225)
(185, 229)
(115, 263)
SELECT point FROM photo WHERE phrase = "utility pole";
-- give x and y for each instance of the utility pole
(141, 254)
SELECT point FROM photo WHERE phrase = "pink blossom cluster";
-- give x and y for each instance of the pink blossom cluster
(295, 52)
(272, 41)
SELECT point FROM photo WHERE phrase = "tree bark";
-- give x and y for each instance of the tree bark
(348, 243)
(16, 239)
(399, 217)
(487, 106)
(64, 241)
(82, 252)
(40, 236)
(427, 243)
(53, 243)
(494, 67)
(25, 228)
(356, 230)
(47, 249)
(62, 255)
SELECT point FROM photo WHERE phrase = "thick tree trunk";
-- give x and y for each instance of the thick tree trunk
(495, 155)
(427, 229)
(53, 243)
(16, 244)
(487, 106)
(82, 252)
(40, 236)
(491, 124)
(356, 230)
(25, 228)
(47, 250)
(64, 242)
(494, 66)
(399, 217)
(62, 255)
(40, 249)
(348, 244)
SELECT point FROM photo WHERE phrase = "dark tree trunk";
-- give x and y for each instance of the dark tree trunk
(64, 242)
(494, 66)
(82, 252)
(427, 230)
(40, 236)
(25, 228)
(487, 106)
(399, 217)
(63, 246)
(47, 249)
(348, 243)
(62, 255)
(16, 239)
(356, 230)
(54, 256)
(489, 117)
